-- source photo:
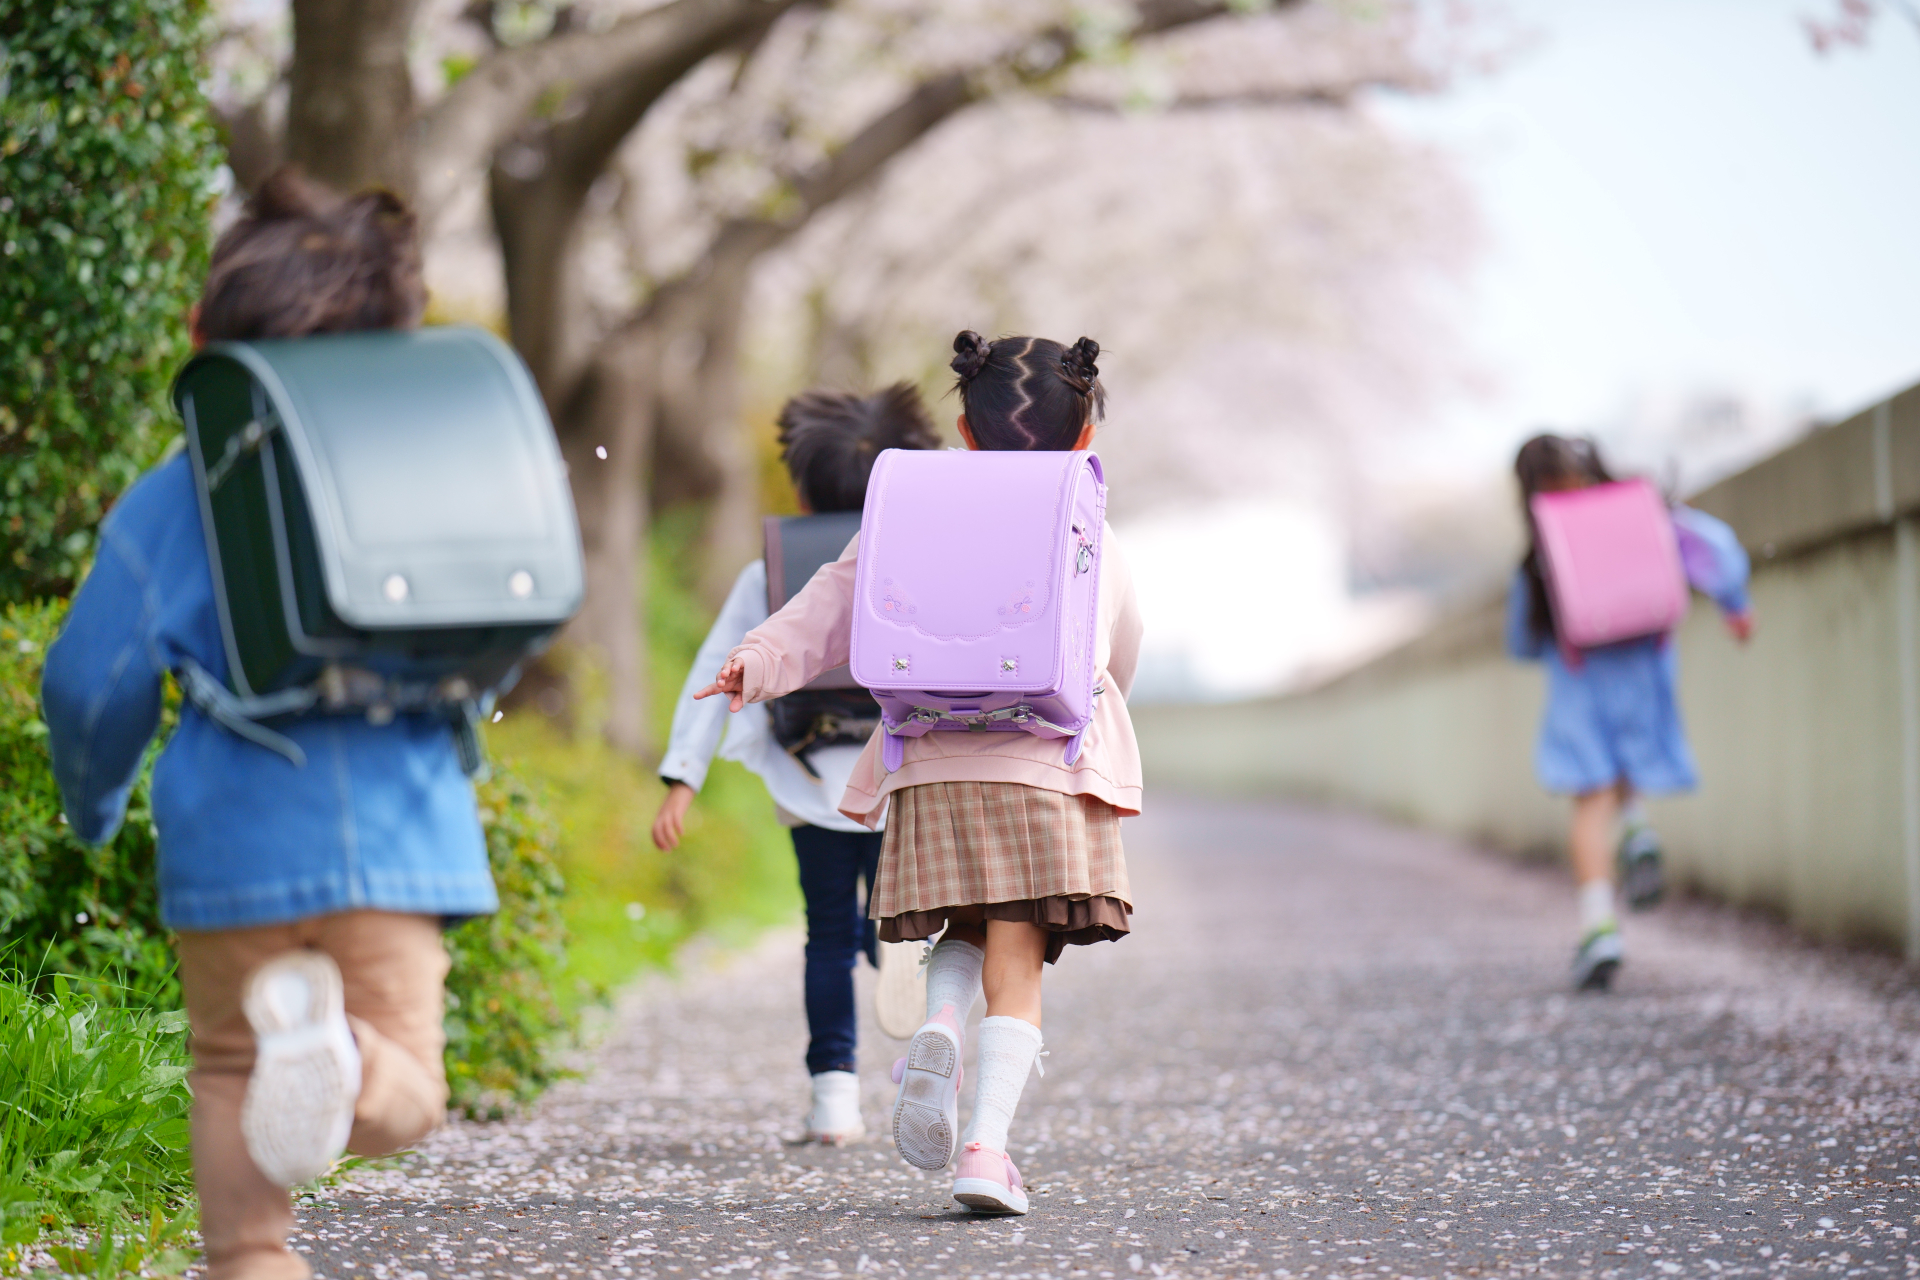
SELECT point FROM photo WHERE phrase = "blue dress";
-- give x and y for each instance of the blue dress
(1617, 716)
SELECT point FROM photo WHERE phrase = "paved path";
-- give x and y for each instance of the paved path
(1331, 1048)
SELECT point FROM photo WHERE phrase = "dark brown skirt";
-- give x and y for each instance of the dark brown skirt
(1069, 922)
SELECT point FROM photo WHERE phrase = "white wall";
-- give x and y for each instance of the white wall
(1808, 738)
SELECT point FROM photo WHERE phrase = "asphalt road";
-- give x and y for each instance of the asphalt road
(1330, 1048)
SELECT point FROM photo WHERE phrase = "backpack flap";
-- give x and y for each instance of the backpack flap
(976, 604)
(832, 709)
(394, 500)
(1611, 562)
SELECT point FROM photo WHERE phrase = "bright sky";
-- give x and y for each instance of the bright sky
(1681, 197)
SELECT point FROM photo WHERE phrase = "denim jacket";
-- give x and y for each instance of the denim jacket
(378, 817)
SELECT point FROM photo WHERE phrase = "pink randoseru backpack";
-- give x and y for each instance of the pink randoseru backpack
(977, 600)
(1612, 563)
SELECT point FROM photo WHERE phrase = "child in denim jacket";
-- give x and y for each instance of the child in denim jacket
(307, 900)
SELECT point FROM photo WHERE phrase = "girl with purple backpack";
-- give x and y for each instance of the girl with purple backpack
(1006, 845)
(1612, 732)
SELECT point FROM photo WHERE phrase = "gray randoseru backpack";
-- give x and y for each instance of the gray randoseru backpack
(833, 710)
(388, 522)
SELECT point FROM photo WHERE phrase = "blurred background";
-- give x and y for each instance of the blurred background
(1341, 257)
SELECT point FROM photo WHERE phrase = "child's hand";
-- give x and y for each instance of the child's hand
(730, 681)
(1741, 624)
(671, 821)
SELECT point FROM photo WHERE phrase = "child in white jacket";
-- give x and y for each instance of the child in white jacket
(828, 442)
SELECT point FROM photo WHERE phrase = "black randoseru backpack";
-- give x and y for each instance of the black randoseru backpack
(389, 526)
(832, 710)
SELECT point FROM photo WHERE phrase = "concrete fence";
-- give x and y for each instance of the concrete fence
(1808, 739)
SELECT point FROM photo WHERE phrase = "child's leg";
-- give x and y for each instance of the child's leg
(1643, 879)
(830, 866)
(393, 969)
(1594, 815)
(1600, 953)
(953, 970)
(926, 1110)
(244, 1218)
(1010, 1033)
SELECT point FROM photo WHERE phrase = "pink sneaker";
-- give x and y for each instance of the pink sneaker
(926, 1112)
(987, 1182)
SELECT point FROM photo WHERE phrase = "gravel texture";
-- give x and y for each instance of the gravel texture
(1331, 1048)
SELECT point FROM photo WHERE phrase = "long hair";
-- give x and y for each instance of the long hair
(1546, 463)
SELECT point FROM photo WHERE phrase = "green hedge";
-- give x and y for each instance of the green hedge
(108, 158)
(91, 914)
(92, 917)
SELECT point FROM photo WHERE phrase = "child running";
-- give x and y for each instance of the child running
(993, 837)
(307, 901)
(829, 443)
(1612, 730)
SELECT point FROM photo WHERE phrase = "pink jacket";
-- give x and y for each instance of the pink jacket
(811, 635)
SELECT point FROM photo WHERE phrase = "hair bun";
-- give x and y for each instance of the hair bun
(1081, 360)
(970, 352)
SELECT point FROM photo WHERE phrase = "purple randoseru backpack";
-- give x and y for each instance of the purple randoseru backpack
(976, 604)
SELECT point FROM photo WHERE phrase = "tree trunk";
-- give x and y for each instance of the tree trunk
(538, 187)
(612, 410)
(701, 402)
(350, 93)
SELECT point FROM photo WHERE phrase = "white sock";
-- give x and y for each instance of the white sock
(1007, 1049)
(953, 977)
(1596, 906)
(1633, 815)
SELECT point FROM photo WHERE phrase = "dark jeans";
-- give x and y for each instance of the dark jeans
(832, 865)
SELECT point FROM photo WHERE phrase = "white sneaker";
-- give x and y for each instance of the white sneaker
(306, 1069)
(835, 1118)
(900, 996)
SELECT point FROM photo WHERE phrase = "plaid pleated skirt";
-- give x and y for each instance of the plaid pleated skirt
(1020, 852)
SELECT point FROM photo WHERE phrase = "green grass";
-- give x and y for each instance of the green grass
(93, 1128)
(629, 906)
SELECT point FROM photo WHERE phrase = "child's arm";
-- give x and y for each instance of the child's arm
(100, 693)
(1716, 565)
(697, 725)
(809, 637)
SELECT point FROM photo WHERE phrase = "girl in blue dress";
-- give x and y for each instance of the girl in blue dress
(1612, 730)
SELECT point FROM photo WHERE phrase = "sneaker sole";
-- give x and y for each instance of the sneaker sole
(926, 1112)
(298, 1109)
(984, 1195)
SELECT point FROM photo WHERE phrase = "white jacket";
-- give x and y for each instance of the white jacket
(699, 726)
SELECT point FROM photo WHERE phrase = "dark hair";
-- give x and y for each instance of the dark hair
(302, 260)
(829, 440)
(1546, 463)
(1027, 393)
